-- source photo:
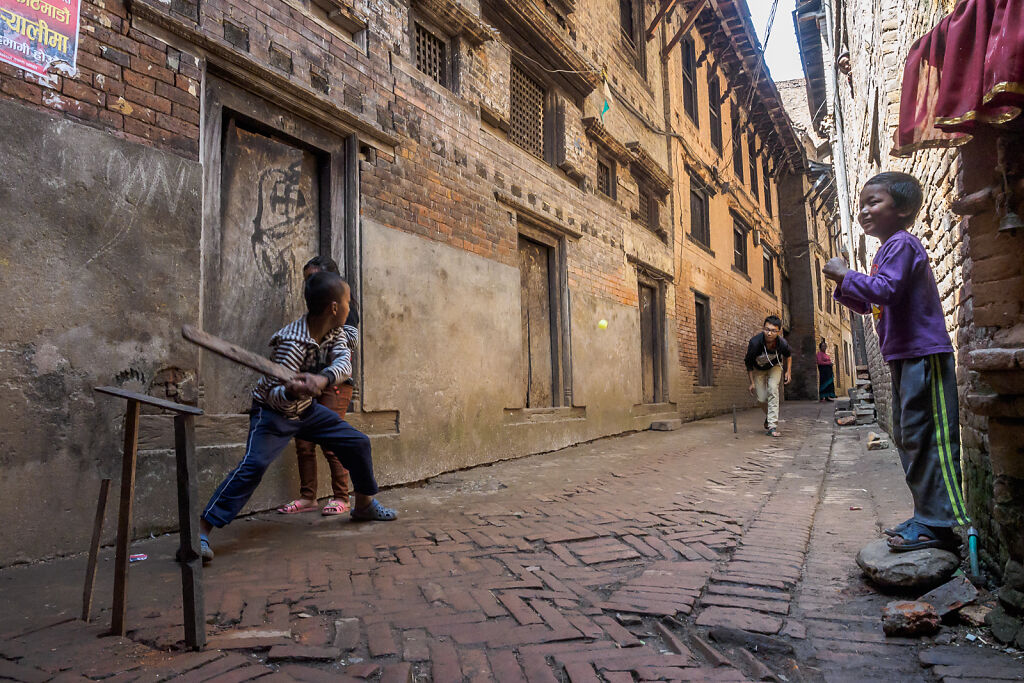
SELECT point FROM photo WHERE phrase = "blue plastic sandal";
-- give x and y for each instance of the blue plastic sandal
(942, 538)
(898, 529)
(374, 512)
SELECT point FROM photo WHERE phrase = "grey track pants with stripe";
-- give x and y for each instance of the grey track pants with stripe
(926, 429)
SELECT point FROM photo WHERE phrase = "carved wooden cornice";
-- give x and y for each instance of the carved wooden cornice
(527, 24)
(642, 161)
(242, 70)
(453, 16)
(596, 131)
(541, 219)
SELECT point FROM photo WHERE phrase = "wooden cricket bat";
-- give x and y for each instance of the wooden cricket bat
(235, 353)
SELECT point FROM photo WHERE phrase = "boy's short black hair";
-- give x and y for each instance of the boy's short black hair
(773, 320)
(904, 189)
(322, 263)
(322, 289)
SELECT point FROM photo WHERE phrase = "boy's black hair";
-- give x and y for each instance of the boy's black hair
(773, 320)
(322, 263)
(322, 289)
(904, 189)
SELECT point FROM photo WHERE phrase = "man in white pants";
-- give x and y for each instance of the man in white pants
(768, 362)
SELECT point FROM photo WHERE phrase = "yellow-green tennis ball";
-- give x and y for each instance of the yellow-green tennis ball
(603, 324)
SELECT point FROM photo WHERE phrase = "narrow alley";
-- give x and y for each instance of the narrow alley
(696, 554)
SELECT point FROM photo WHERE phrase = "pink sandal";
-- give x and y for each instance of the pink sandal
(335, 506)
(296, 506)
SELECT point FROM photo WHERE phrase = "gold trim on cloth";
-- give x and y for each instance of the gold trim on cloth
(945, 143)
(1005, 86)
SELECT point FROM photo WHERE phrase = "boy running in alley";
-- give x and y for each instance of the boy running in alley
(901, 295)
(316, 347)
(767, 353)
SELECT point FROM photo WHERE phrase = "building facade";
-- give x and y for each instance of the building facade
(732, 145)
(494, 178)
(812, 235)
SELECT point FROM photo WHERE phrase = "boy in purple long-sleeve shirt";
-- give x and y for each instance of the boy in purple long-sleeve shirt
(901, 295)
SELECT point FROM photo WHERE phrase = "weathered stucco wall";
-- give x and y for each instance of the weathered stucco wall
(99, 268)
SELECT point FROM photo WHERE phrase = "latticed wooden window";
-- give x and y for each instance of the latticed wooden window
(647, 209)
(431, 55)
(605, 179)
(527, 119)
(644, 209)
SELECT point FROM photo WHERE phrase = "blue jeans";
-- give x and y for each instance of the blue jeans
(269, 433)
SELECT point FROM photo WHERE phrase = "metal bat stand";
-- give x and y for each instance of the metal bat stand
(188, 518)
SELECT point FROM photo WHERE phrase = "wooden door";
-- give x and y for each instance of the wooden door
(269, 228)
(648, 344)
(535, 278)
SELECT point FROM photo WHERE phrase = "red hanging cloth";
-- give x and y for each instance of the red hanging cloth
(966, 72)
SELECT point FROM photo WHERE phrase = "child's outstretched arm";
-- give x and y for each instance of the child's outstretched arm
(888, 281)
(836, 270)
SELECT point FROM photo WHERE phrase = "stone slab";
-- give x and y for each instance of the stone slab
(915, 569)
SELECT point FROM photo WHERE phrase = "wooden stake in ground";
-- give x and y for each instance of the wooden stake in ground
(94, 549)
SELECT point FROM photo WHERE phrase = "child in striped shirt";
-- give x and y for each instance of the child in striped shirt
(316, 347)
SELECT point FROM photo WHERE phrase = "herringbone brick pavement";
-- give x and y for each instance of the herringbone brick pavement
(654, 556)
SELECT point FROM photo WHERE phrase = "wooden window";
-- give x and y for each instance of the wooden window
(752, 163)
(631, 23)
(715, 112)
(700, 223)
(817, 263)
(847, 363)
(767, 181)
(689, 79)
(606, 177)
(739, 249)
(737, 146)
(647, 208)
(627, 22)
(652, 351)
(702, 317)
(527, 116)
(431, 54)
(769, 270)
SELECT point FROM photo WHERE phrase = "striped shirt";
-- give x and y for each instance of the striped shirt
(296, 350)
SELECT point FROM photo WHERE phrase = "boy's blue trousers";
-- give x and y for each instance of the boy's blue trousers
(269, 433)
(926, 429)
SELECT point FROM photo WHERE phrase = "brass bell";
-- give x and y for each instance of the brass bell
(1010, 222)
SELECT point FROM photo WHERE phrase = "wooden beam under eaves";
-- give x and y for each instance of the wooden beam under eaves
(688, 23)
(666, 7)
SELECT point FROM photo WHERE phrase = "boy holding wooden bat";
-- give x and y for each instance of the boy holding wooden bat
(316, 347)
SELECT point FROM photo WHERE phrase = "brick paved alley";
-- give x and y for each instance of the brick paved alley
(630, 558)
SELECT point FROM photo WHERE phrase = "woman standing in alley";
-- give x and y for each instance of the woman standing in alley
(826, 377)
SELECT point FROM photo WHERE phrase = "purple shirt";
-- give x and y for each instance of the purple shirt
(902, 296)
